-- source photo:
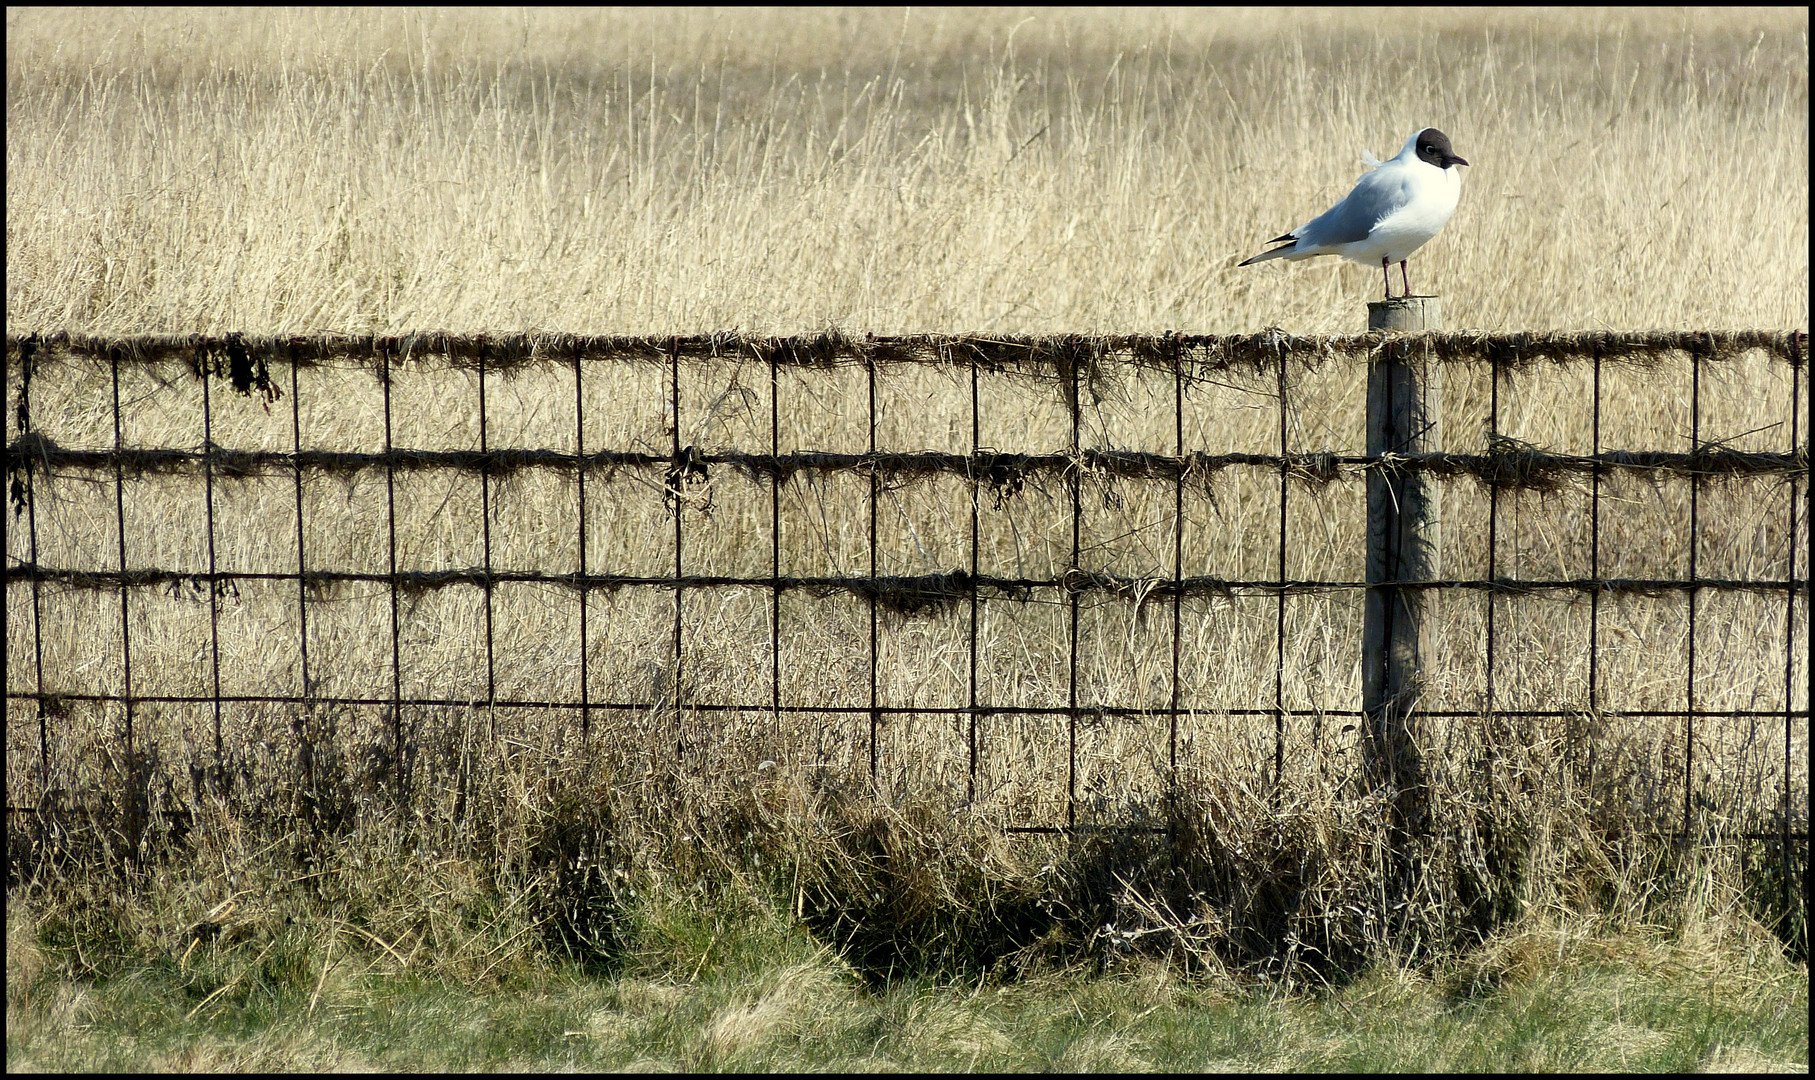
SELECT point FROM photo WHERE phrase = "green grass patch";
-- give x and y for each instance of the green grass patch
(738, 984)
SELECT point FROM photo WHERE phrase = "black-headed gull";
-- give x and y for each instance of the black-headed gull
(1394, 210)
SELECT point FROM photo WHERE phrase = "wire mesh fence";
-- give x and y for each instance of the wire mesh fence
(1056, 578)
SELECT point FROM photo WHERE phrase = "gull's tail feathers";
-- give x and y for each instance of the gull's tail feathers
(1286, 252)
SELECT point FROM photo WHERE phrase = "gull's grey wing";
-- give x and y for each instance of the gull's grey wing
(1376, 195)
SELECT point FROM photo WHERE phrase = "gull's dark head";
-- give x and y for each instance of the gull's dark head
(1434, 149)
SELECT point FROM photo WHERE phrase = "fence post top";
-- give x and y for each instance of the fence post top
(1405, 314)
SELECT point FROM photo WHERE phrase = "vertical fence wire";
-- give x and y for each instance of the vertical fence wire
(678, 479)
(119, 507)
(1695, 490)
(1279, 625)
(1178, 561)
(1594, 556)
(971, 712)
(1789, 632)
(214, 583)
(875, 713)
(390, 521)
(579, 450)
(485, 532)
(775, 558)
(1075, 472)
(302, 563)
(27, 349)
(1493, 519)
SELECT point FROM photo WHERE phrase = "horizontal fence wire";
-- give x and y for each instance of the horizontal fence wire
(246, 358)
(1074, 367)
(903, 594)
(1515, 467)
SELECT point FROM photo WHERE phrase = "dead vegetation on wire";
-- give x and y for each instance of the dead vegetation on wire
(1073, 362)
(1512, 466)
(1067, 356)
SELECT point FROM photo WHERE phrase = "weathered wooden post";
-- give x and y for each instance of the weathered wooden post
(1405, 406)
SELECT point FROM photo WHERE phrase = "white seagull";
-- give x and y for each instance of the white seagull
(1394, 210)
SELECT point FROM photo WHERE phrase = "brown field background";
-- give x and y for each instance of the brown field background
(783, 172)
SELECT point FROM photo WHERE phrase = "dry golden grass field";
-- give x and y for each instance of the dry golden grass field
(942, 171)
(684, 172)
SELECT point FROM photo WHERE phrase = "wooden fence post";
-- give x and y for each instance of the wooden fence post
(1405, 406)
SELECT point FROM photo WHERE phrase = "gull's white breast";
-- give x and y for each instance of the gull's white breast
(1405, 230)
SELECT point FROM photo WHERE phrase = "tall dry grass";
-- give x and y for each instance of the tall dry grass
(671, 173)
(776, 172)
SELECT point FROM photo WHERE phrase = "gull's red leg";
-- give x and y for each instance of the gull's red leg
(1386, 282)
(1402, 278)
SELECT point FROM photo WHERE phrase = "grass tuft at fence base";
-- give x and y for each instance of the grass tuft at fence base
(591, 859)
